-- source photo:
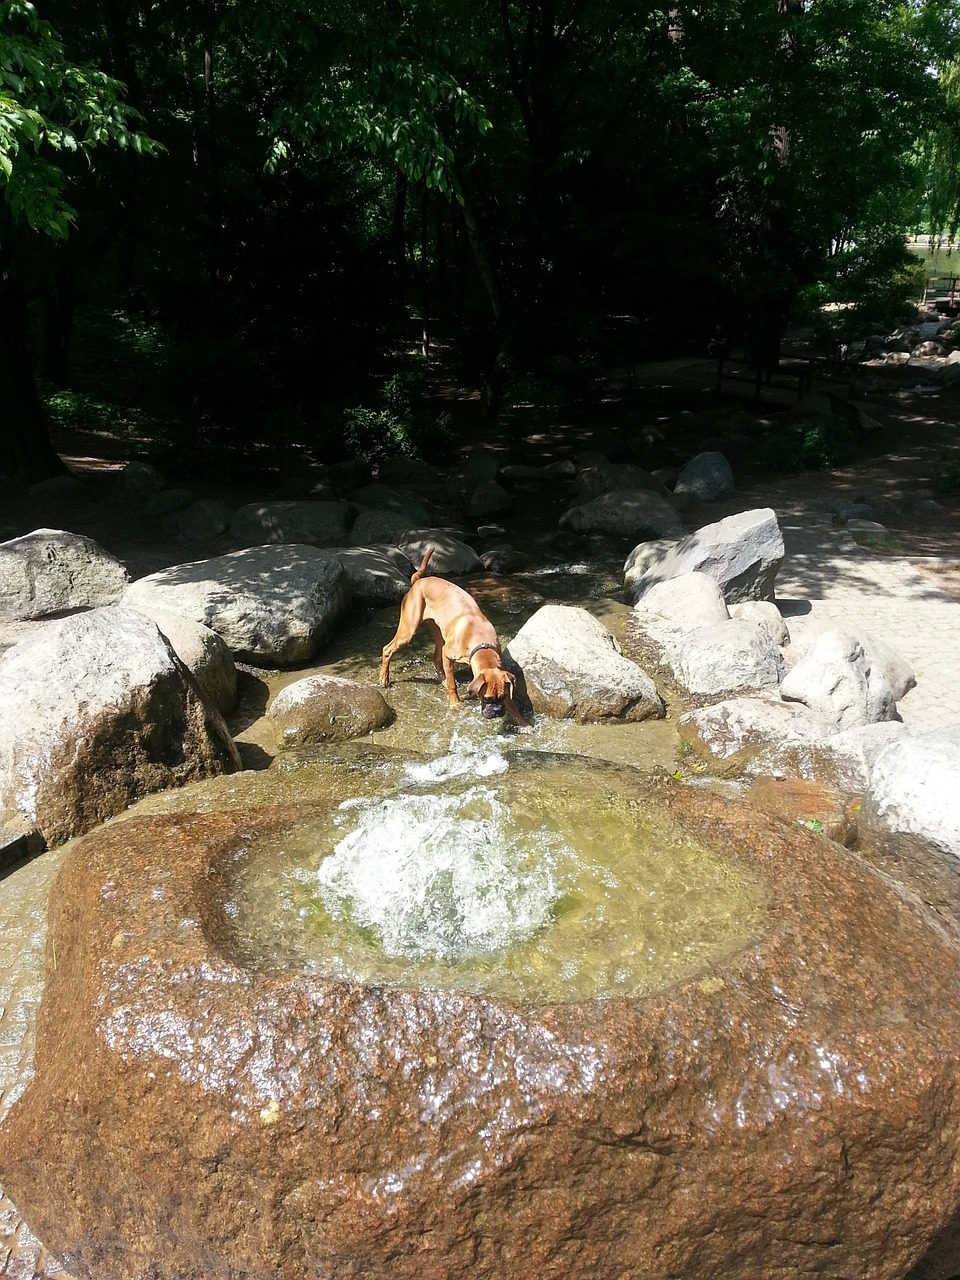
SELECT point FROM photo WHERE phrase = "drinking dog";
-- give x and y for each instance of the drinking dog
(461, 633)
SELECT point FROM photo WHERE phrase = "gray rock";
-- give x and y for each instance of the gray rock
(738, 729)
(573, 669)
(167, 501)
(95, 711)
(708, 477)
(270, 604)
(743, 553)
(450, 556)
(202, 652)
(858, 525)
(898, 672)
(927, 507)
(136, 482)
(372, 528)
(343, 477)
(383, 497)
(689, 601)
(733, 656)
(766, 613)
(488, 499)
(66, 488)
(844, 760)
(912, 795)
(51, 571)
(839, 682)
(327, 709)
(379, 575)
(626, 513)
(404, 471)
(609, 476)
(480, 465)
(843, 509)
(202, 520)
(320, 523)
(551, 471)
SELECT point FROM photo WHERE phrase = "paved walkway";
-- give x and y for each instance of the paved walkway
(882, 596)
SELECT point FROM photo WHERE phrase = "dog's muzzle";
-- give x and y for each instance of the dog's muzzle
(491, 708)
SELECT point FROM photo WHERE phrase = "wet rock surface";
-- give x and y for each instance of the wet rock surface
(790, 1112)
(95, 711)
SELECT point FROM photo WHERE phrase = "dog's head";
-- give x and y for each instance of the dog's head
(492, 687)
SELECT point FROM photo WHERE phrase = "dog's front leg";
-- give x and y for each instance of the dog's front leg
(450, 680)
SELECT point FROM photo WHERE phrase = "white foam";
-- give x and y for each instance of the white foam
(442, 876)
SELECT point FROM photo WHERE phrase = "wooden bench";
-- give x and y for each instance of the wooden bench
(734, 366)
(856, 418)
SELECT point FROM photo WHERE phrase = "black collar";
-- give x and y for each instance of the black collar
(477, 647)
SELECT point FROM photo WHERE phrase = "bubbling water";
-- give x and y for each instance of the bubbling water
(536, 878)
(445, 876)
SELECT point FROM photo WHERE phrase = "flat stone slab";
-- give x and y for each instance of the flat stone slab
(791, 1111)
(270, 604)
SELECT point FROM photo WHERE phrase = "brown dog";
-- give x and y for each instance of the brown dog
(461, 634)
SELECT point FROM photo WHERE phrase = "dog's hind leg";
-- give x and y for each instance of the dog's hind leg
(411, 615)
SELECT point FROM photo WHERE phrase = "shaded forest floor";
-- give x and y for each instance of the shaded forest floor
(915, 448)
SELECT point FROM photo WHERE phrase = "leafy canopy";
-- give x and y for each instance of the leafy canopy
(50, 109)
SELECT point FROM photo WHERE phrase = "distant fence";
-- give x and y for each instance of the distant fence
(943, 292)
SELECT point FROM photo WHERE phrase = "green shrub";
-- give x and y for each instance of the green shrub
(816, 443)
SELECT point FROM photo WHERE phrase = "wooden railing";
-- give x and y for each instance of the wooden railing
(945, 289)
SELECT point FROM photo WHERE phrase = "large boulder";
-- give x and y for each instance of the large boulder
(727, 657)
(202, 652)
(707, 477)
(327, 709)
(51, 571)
(790, 1110)
(743, 553)
(839, 682)
(606, 477)
(732, 732)
(324, 523)
(488, 499)
(625, 513)
(572, 668)
(270, 604)
(383, 497)
(671, 609)
(374, 527)
(450, 556)
(843, 760)
(95, 711)
(203, 520)
(379, 575)
(912, 795)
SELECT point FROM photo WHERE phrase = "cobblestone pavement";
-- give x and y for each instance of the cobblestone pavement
(884, 596)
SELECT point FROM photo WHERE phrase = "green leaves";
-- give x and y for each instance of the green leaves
(49, 104)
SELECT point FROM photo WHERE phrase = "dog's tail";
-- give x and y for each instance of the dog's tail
(423, 564)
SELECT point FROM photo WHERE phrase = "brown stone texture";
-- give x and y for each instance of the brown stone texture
(803, 800)
(327, 709)
(792, 1112)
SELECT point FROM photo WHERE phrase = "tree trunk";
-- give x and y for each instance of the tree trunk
(25, 448)
(56, 325)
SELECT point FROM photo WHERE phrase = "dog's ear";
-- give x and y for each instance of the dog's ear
(510, 680)
(475, 685)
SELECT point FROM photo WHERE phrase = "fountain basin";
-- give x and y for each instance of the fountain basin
(789, 1109)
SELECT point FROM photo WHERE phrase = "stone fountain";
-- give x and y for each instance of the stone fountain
(786, 1105)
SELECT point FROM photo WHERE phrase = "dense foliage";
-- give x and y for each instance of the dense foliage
(525, 180)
